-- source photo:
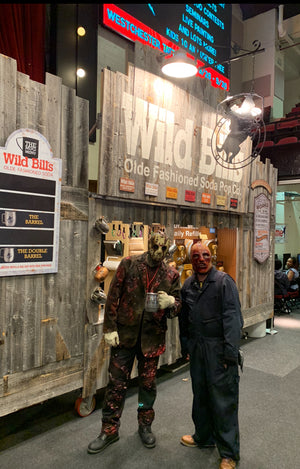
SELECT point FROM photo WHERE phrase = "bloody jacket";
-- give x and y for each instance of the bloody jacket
(124, 307)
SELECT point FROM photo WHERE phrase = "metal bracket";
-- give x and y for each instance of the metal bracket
(97, 124)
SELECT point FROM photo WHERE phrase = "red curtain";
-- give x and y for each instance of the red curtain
(22, 37)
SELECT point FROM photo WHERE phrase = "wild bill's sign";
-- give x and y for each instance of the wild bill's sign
(156, 140)
(30, 183)
(262, 211)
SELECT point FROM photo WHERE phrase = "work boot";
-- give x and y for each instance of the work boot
(101, 442)
(227, 463)
(189, 440)
(147, 436)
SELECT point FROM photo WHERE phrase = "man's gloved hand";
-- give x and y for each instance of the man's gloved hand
(112, 338)
(165, 300)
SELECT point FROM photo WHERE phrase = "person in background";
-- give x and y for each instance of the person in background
(292, 273)
(135, 329)
(210, 330)
(281, 286)
(281, 281)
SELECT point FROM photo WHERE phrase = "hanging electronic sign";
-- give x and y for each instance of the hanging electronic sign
(203, 30)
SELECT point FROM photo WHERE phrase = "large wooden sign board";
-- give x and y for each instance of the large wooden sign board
(156, 146)
(30, 185)
(262, 211)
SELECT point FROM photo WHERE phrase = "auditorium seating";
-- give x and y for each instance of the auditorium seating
(288, 124)
(268, 143)
(283, 131)
(287, 140)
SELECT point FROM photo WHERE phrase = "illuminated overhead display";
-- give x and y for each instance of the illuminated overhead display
(203, 30)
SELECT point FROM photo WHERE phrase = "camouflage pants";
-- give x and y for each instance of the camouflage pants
(120, 366)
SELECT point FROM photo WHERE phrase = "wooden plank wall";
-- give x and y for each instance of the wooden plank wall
(256, 284)
(96, 357)
(254, 280)
(50, 333)
(120, 95)
(42, 317)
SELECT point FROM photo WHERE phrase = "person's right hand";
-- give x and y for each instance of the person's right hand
(112, 338)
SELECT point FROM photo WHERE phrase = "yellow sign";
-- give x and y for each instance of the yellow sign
(171, 192)
(221, 200)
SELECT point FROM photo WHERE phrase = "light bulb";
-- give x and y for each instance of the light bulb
(80, 72)
(179, 66)
(247, 108)
(179, 70)
(81, 31)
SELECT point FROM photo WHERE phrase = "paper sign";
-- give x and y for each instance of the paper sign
(206, 198)
(190, 196)
(221, 200)
(171, 192)
(127, 185)
(151, 189)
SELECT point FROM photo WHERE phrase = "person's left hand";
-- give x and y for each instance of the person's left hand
(165, 300)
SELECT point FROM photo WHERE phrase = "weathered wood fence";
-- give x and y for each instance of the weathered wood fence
(42, 317)
(50, 335)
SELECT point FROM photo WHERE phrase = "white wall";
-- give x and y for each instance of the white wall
(261, 28)
(288, 214)
(292, 94)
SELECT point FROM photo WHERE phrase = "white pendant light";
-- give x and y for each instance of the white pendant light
(179, 66)
(244, 105)
(247, 108)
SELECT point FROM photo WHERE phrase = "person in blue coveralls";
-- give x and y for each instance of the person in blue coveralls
(210, 331)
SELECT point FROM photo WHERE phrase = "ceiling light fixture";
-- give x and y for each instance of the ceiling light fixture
(81, 31)
(247, 108)
(239, 120)
(80, 72)
(179, 65)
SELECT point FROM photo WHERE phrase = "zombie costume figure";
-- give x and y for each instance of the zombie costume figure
(136, 331)
(210, 330)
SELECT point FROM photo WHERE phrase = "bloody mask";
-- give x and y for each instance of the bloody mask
(201, 258)
(158, 247)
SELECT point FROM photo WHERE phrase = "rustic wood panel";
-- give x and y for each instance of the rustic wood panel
(20, 390)
(227, 250)
(50, 334)
(42, 317)
(80, 173)
(255, 280)
(23, 85)
(37, 107)
(8, 97)
(53, 129)
(96, 361)
(68, 131)
(8, 322)
(155, 153)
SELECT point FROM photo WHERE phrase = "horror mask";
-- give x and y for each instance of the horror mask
(201, 258)
(158, 247)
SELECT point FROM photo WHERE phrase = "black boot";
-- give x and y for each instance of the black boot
(147, 436)
(101, 442)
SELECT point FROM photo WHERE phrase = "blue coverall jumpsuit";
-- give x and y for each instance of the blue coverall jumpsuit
(210, 331)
